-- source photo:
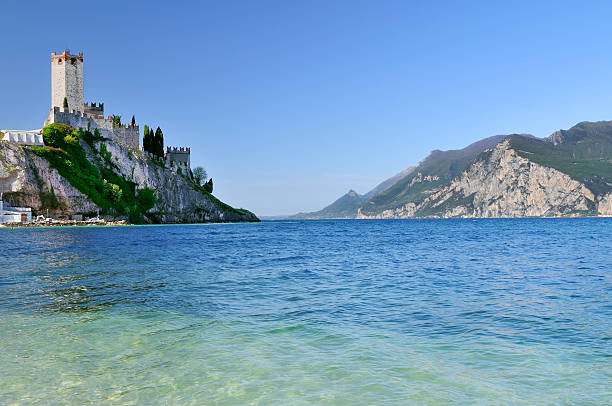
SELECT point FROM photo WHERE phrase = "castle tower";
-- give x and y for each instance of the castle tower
(67, 80)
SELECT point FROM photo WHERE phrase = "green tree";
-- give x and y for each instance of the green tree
(208, 186)
(159, 143)
(145, 139)
(65, 103)
(200, 176)
(151, 141)
(116, 121)
(133, 121)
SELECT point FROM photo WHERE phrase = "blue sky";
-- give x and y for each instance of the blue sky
(289, 104)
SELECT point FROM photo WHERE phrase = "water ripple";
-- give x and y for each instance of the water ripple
(339, 312)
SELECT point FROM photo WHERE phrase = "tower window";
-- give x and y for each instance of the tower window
(59, 61)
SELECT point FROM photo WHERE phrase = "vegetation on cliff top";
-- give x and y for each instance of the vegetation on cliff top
(584, 152)
(109, 191)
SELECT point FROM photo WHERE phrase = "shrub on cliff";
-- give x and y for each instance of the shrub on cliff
(54, 134)
(112, 192)
(146, 199)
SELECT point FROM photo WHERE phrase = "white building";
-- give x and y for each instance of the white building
(24, 137)
(10, 214)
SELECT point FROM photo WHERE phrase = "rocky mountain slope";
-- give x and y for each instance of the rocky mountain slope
(569, 173)
(81, 173)
(435, 171)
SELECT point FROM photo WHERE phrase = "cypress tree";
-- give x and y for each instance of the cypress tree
(208, 186)
(151, 142)
(133, 121)
(159, 143)
(145, 139)
(65, 103)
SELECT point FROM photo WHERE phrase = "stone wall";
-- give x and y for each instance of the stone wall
(127, 135)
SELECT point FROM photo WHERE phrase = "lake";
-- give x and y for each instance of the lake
(385, 312)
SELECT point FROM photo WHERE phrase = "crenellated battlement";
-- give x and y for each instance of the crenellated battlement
(178, 149)
(64, 56)
(94, 108)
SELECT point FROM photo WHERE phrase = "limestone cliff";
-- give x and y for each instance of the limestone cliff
(501, 183)
(29, 180)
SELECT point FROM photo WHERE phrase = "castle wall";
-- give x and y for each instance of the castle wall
(129, 136)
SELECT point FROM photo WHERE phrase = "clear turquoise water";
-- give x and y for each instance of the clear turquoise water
(332, 312)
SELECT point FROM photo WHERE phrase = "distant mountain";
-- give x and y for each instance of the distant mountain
(343, 208)
(436, 170)
(584, 152)
(346, 206)
(381, 187)
(517, 175)
(568, 173)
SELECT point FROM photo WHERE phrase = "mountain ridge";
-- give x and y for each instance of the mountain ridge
(566, 173)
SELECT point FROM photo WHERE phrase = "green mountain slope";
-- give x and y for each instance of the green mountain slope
(584, 152)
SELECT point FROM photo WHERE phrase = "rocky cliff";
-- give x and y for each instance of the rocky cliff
(501, 183)
(566, 174)
(29, 179)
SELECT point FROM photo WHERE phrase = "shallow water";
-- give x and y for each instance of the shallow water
(330, 312)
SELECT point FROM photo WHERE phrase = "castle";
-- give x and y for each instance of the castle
(68, 107)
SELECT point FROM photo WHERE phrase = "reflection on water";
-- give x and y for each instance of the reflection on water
(344, 312)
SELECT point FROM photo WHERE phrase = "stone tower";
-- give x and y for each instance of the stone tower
(67, 80)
